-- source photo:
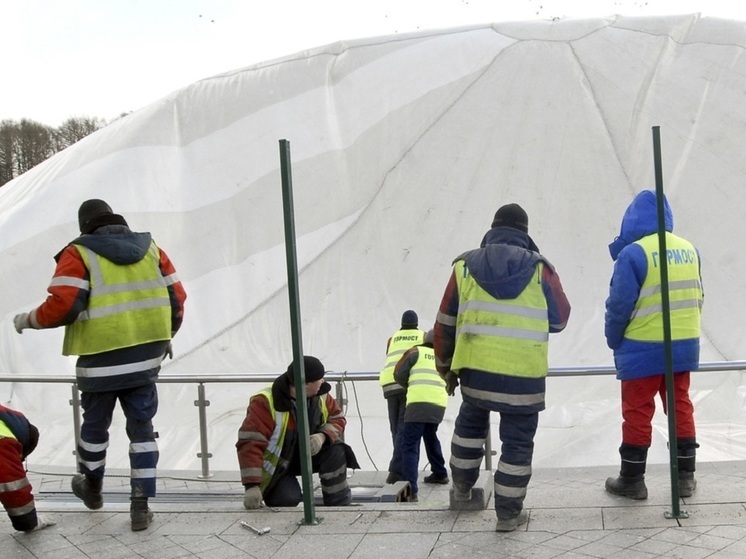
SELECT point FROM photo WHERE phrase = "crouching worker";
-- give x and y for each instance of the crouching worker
(269, 449)
(18, 439)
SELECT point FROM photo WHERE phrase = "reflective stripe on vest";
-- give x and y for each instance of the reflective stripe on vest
(684, 290)
(401, 341)
(425, 384)
(127, 306)
(505, 336)
(274, 445)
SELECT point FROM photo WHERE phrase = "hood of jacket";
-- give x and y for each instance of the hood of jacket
(640, 220)
(505, 262)
(116, 243)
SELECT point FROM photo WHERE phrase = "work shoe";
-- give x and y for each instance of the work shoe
(459, 495)
(630, 487)
(88, 490)
(510, 524)
(432, 478)
(140, 515)
(393, 477)
(687, 484)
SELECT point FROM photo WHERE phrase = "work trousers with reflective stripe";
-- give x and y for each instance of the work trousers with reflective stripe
(331, 465)
(513, 472)
(139, 405)
(638, 408)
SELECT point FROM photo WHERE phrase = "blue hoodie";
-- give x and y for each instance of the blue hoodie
(636, 359)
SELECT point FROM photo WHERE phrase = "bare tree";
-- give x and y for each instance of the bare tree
(75, 129)
(25, 144)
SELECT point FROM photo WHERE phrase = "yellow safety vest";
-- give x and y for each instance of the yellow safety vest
(274, 445)
(425, 384)
(401, 341)
(506, 336)
(684, 289)
(127, 306)
(5, 431)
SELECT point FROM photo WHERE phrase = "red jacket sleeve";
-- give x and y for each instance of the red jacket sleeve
(444, 342)
(176, 292)
(253, 437)
(68, 292)
(334, 427)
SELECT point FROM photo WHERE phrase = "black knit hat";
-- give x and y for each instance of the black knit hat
(94, 213)
(313, 367)
(409, 318)
(511, 215)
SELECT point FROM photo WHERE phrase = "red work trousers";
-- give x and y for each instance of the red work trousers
(638, 408)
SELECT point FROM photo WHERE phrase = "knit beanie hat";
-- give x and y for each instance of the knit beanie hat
(313, 367)
(511, 215)
(94, 213)
(409, 318)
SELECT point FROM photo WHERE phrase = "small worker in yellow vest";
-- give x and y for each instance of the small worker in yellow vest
(634, 330)
(426, 406)
(407, 336)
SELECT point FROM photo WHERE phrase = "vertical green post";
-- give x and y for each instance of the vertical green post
(663, 261)
(309, 512)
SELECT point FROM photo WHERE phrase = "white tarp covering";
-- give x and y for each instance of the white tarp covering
(402, 149)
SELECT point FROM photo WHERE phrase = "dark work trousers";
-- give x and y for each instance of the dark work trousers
(331, 465)
(410, 435)
(139, 405)
(514, 468)
(397, 405)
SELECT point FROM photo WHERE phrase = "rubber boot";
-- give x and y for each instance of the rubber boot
(88, 490)
(140, 515)
(631, 480)
(686, 454)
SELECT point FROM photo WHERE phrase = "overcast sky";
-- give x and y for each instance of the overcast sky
(101, 58)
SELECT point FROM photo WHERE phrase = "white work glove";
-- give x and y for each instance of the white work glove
(169, 352)
(41, 523)
(21, 322)
(317, 441)
(252, 499)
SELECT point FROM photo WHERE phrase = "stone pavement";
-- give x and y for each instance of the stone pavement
(570, 516)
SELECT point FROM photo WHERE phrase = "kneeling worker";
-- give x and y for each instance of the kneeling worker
(268, 448)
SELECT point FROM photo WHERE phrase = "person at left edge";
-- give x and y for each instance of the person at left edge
(18, 439)
(268, 442)
(119, 298)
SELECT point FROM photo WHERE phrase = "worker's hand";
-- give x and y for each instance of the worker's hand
(21, 322)
(169, 351)
(451, 382)
(252, 499)
(42, 522)
(317, 441)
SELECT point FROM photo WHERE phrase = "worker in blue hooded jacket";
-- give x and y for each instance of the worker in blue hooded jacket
(634, 330)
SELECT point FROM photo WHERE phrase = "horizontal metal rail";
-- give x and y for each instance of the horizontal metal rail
(335, 376)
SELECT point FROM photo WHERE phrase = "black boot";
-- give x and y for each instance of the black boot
(630, 487)
(631, 480)
(88, 490)
(686, 453)
(140, 515)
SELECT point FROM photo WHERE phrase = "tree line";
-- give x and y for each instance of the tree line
(26, 143)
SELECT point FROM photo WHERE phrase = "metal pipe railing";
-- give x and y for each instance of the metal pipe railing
(339, 377)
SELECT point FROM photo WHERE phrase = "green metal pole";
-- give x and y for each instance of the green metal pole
(663, 262)
(309, 509)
